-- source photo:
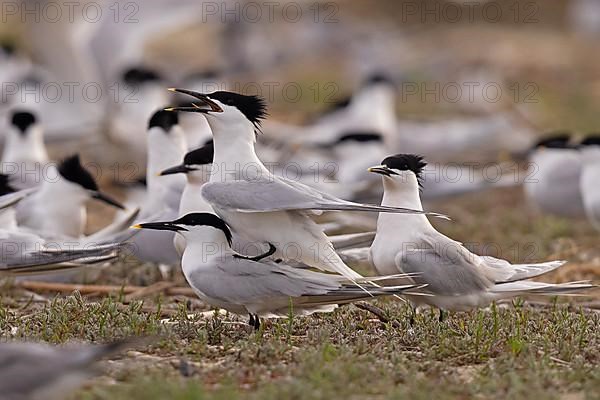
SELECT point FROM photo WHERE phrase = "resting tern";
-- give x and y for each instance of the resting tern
(456, 278)
(58, 205)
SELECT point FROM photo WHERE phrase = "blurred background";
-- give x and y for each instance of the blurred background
(509, 72)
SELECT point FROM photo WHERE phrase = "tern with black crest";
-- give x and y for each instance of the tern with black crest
(258, 286)
(58, 205)
(258, 205)
(456, 278)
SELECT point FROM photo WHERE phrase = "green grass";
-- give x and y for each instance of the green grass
(514, 350)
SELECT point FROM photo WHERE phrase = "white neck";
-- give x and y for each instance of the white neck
(234, 156)
(402, 191)
(203, 244)
(376, 104)
(191, 198)
(164, 151)
(28, 147)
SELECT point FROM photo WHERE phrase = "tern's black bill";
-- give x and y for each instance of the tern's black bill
(383, 170)
(203, 100)
(178, 169)
(107, 199)
(160, 226)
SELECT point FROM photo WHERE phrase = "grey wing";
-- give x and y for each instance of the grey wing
(242, 281)
(11, 199)
(277, 194)
(446, 267)
(25, 253)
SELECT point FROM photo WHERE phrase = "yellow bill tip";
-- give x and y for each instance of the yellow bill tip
(136, 226)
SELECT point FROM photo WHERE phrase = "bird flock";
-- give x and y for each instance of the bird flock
(219, 202)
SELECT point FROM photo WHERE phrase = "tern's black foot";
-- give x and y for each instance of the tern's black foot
(442, 316)
(251, 320)
(413, 314)
(256, 324)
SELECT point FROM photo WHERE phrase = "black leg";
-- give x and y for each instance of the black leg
(256, 322)
(441, 318)
(251, 321)
(413, 314)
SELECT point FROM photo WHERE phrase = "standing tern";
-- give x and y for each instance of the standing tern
(256, 204)
(258, 287)
(456, 278)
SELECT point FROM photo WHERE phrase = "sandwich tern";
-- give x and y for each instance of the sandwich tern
(456, 278)
(256, 286)
(258, 205)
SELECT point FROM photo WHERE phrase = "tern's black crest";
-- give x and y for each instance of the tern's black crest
(205, 219)
(5, 187)
(253, 107)
(360, 137)
(592, 140)
(72, 170)
(163, 119)
(137, 76)
(406, 162)
(556, 140)
(202, 156)
(23, 120)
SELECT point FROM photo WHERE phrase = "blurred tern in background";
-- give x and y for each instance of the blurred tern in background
(25, 252)
(36, 371)
(256, 204)
(456, 278)
(141, 92)
(24, 155)
(258, 287)
(590, 174)
(552, 181)
(370, 109)
(58, 206)
(166, 146)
